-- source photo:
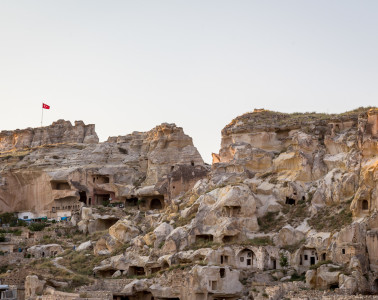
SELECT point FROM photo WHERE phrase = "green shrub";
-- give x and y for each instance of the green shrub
(3, 269)
(297, 277)
(37, 226)
(8, 218)
(283, 260)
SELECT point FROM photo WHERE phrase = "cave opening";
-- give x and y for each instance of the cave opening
(156, 204)
(204, 238)
(290, 201)
(365, 205)
(131, 201)
(60, 185)
(136, 271)
(83, 197)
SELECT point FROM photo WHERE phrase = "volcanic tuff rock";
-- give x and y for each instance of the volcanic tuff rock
(70, 165)
(58, 132)
(290, 203)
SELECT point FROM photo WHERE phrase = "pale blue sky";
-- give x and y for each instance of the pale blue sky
(130, 65)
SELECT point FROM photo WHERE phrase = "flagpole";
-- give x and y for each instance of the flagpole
(42, 115)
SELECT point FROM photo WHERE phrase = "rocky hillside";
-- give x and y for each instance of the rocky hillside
(287, 209)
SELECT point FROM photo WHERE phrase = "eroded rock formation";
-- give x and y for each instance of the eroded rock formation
(288, 208)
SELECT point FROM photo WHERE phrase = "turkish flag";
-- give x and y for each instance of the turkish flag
(45, 106)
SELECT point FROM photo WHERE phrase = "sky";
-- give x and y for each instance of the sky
(131, 65)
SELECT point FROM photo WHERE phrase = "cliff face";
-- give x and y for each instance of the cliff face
(86, 169)
(337, 153)
(289, 204)
(59, 132)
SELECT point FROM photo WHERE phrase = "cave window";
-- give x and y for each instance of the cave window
(60, 185)
(173, 187)
(334, 286)
(155, 270)
(192, 163)
(172, 168)
(300, 260)
(213, 285)
(303, 198)
(224, 259)
(102, 199)
(222, 272)
(228, 239)
(101, 179)
(132, 201)
(305, 257)
(323, 256)
(138, 271)
(343, 251)
(365, 205)
(204, 238)
(156, 204)
(274, 264)
(290, 201)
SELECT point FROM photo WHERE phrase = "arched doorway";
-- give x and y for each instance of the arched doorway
(246, 258)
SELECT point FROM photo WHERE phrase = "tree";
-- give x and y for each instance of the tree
(283, 260)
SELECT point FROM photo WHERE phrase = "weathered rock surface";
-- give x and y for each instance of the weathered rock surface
(288, 208)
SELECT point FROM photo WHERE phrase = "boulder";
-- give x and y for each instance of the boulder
(84, 246)
(33, 286)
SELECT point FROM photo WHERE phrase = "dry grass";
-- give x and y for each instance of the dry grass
(81, 262)
(329, 219)
(271, 221)
(295, 214)
(47, 269)
(258, 241)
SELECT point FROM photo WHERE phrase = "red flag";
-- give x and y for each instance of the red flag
(45, 106)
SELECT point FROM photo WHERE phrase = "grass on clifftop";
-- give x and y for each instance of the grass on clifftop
(279, 118)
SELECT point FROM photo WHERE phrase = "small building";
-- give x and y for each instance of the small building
(64, 215)
(6, 293)
(50, 250)
(29, 216)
